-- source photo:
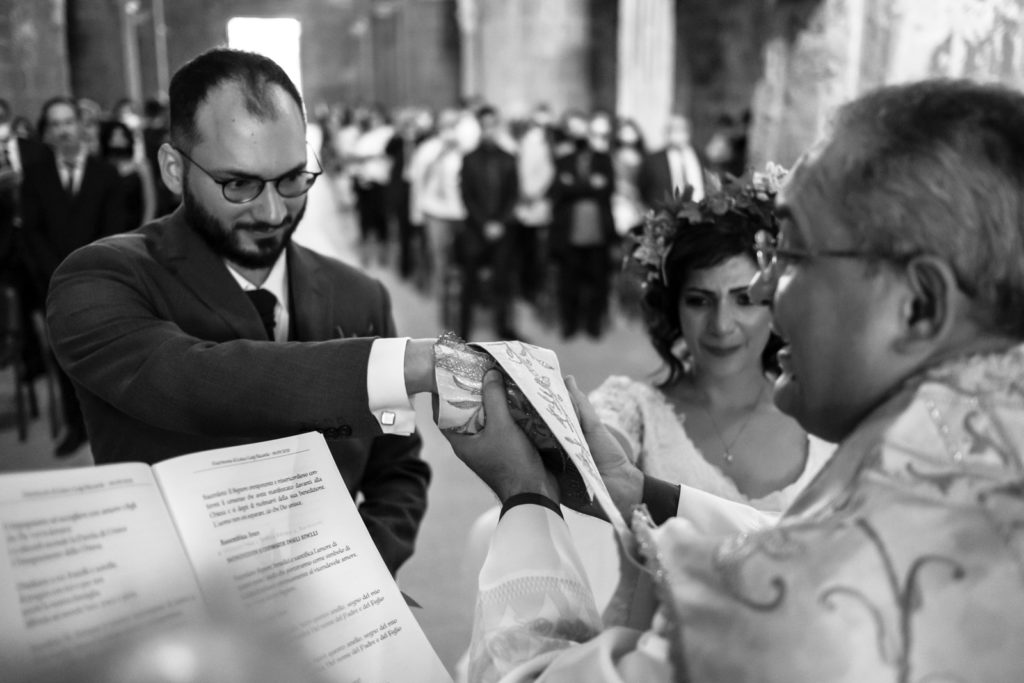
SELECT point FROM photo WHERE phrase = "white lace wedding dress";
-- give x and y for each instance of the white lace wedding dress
(657, 435)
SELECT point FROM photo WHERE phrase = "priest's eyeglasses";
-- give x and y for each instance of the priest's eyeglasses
(769, 253)
(242, 190)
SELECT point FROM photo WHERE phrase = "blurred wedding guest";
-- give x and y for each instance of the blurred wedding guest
(349, 130)
(211, 327)
(23, 128)
(583, 230)
(726, 149)
(676, 168)
(400, 149)
(126, 111)
(155, 133)
(571, 134)
(423, 129)
(327, 119)
(628, 153)
(536, 166)
(901, 301)
(66, 207)
(718, 150)
(467, 130)
(739, 143)
(490, 189)
(137, 190)
(371, 175)
(434, 172)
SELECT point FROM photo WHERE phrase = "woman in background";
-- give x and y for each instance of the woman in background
(628, 153)
(117, 145)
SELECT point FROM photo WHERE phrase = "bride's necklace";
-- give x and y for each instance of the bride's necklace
(727, 454)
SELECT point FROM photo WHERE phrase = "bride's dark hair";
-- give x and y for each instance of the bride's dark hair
(684, 236)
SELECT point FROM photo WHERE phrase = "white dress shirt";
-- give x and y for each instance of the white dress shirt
(13, 153)
(385, 371)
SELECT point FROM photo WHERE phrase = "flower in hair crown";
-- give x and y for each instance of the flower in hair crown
(752, 195)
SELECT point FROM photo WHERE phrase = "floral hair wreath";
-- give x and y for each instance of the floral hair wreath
(752, 196)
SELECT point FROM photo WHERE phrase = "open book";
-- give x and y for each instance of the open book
(267, 531)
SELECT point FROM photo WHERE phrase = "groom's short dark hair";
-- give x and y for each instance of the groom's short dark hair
(192, 83)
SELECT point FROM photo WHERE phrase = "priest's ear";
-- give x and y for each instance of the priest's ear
(933, 302)
(172, 168)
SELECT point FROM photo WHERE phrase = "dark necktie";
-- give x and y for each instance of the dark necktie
(265, 302)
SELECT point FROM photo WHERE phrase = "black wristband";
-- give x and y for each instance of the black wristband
(661, 498)
(529, 499)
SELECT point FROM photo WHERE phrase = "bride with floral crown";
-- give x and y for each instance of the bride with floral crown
(710, 424)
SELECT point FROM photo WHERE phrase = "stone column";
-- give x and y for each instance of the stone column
(646, 68)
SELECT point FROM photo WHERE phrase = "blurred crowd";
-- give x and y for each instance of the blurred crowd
(481, 210)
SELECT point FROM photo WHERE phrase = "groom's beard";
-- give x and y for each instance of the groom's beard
(229, 242)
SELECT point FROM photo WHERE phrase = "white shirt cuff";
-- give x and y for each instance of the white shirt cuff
(385, 386)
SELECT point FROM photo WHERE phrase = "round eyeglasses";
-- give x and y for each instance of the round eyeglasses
(245, 189)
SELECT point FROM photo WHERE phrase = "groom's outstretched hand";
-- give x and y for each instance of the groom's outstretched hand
(624, 480)
(501, 454)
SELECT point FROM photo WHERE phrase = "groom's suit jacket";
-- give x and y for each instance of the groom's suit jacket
(170, 357)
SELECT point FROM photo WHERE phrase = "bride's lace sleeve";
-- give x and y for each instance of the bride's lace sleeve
(617, 403)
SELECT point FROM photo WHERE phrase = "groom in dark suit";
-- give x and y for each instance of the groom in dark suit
(211, 328)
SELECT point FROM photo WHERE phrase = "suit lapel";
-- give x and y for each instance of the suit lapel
(312, 304)
(322, 306)
(205, 273)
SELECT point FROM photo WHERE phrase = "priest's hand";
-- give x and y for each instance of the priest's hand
(501, 454)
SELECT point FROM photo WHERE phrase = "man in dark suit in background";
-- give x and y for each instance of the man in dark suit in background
(583, 231)
(65, 206)
(674, 168)
(211, 328)
(490, 190)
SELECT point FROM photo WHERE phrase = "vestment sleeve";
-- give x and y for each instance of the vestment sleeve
(535, 615)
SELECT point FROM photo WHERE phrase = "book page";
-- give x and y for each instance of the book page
(274, 534)
(88, 555)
